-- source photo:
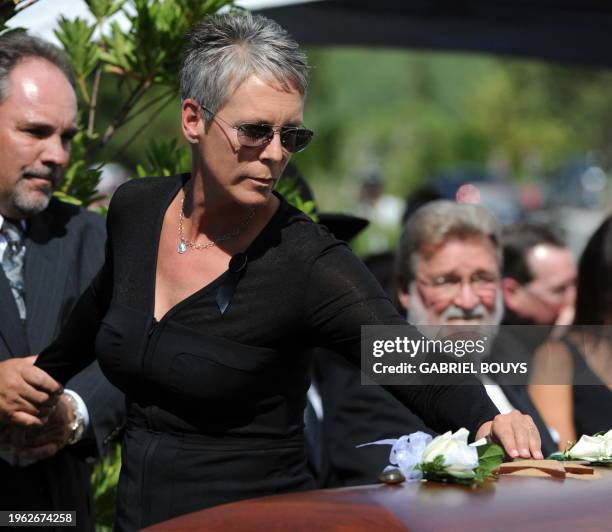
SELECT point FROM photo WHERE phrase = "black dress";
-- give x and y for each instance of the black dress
(216, 390)
(592, 397)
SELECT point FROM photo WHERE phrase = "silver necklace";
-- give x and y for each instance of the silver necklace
(183, 243)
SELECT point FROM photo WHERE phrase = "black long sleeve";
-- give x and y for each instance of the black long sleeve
(74, 348)
(299, 282)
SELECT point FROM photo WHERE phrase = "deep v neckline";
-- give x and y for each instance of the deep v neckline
(183, 179)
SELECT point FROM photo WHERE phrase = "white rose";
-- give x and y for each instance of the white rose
(608, 444)
(592, 448)
(459, 457)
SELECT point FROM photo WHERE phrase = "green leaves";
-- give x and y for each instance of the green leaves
(288, 188)
(165, 158)
(559, 456)
(157, 30)
(81, 178)
(490, 457)
(83, 53)
(118, 51)
(102, 9)
(104, 485)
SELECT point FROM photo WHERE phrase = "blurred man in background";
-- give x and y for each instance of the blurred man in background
(539, 277)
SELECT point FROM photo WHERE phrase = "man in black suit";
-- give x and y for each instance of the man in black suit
(448, 273)
(49, 253)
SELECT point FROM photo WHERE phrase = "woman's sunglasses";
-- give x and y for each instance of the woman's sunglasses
(293, 139)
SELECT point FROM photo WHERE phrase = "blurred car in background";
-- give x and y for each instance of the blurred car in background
(477, 185)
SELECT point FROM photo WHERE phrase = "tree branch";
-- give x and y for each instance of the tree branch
(120, 117)
(146, 124)
(149, 104)
(83, 88)
(24, 3)
(94, 100)
(118, 120)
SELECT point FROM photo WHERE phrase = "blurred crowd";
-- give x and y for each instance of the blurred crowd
(456, 263)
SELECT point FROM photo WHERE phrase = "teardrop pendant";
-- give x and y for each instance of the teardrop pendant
(182, 247)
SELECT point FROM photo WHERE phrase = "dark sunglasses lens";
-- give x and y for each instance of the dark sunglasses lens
(295, 140)
(252, 135)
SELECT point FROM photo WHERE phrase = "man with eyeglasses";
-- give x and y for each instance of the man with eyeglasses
(448, 273)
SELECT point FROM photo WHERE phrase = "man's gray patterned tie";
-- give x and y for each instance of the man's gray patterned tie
(13, 261)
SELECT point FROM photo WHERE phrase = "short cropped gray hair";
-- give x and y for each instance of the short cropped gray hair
(17, 46)
(225, 50)
(435, 223)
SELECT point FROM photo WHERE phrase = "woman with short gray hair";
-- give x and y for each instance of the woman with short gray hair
(213, 288)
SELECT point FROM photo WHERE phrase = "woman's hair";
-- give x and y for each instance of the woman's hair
(225, 50)
(594, 285)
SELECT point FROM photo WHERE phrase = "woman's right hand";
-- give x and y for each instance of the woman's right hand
(27, 394)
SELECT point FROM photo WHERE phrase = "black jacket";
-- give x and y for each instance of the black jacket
(64, 250)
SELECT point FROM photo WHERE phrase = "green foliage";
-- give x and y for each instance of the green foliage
(142, 59)
(121, 51)
(164, 157)
(76, 38)
(81, 178)
(104, 486)
(490, 457)
(157, 29)
(102, 9)
(413, 115)
(289, 189)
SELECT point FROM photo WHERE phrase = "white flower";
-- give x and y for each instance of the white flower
(608, 444)
(459, 457)
(592, 448)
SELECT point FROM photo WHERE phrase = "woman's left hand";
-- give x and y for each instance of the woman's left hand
(515, 432)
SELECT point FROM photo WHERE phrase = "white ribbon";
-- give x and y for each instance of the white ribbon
(406, 453)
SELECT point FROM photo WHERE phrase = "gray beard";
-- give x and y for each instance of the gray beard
(29, 203)
(432, 328)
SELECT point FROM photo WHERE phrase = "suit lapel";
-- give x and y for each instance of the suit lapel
(11, 329)
(45, 278)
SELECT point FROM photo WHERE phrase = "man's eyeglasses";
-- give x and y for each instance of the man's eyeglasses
(448, 286)
(293, 139)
